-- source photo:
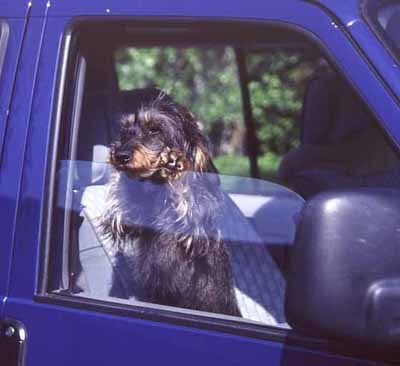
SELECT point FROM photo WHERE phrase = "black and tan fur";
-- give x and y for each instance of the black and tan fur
(162, 207)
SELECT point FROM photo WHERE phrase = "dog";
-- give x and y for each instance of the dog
(163, 203)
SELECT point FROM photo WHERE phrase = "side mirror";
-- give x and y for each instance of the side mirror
(344, 277)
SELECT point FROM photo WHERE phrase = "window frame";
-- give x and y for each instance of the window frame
(369, 11)
(159, 313)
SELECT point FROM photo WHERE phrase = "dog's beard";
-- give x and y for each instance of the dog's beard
(185, 208)
(133, 203)
(158, 191)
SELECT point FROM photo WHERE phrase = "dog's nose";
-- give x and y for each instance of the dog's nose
(122, 157)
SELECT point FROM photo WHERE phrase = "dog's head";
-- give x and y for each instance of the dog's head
(162, 140)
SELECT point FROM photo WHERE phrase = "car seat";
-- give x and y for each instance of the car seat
(331, 114)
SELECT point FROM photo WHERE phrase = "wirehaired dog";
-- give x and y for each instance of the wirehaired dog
(162, 207)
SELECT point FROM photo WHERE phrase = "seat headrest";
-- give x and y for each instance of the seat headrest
(331, 111)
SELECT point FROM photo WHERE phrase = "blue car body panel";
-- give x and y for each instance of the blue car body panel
(89, 338)
(14, 29)
(345, 10)
(350, 15)
(14, 9)
(63, 334)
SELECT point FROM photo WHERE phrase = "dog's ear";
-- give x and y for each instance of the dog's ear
(204, 164)
(201, 158)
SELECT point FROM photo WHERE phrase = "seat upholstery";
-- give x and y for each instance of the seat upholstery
(259, 285)
(331, 114)
(331, 111)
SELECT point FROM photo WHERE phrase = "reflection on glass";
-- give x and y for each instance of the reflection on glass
(252, 217)
(388, 17)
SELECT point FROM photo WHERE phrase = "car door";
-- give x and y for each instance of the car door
(64, 328)
(17, 37)
(13, 29)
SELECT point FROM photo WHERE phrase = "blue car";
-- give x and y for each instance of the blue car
(300, 103)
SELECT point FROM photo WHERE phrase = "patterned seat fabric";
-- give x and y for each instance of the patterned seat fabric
(259, 285)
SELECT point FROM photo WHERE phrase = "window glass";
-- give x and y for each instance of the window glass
(205, 78)
(385, 16)
(4, 31)
(183, 168)
(277, 83)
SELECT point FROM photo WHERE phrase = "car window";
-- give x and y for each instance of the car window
(204, 77)
(183, 167)
(384, 16)
(4, 31)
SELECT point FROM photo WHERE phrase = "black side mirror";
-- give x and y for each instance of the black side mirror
(344, 278)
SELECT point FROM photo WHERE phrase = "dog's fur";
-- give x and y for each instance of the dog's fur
(162, 208)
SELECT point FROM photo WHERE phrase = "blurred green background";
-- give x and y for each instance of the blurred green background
(206, 81)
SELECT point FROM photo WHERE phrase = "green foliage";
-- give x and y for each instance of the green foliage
(240, 166)
(203, 79)
(206, 81)
(277, 85)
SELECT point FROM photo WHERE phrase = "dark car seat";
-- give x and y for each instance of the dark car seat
(393, 29)
(331, 114)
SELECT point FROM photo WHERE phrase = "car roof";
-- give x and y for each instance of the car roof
(13, 8)
(345, 10)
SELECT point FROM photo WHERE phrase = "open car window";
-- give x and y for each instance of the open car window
(183, 166)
